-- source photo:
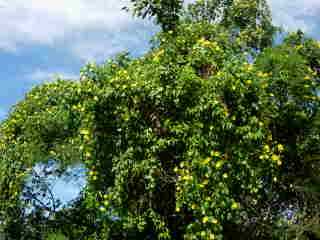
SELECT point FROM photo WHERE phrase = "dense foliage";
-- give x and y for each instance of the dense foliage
(213, 134)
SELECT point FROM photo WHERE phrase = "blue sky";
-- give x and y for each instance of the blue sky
(40, 38)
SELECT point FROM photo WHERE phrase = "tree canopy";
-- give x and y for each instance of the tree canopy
(212, 134)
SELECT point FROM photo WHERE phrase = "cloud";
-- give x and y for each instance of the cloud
(297, 14)
(42, 75)
(99, 46)
(83, 27)
(46, 21)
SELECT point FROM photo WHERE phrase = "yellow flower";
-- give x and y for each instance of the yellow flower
(52, 152)
(193, 206)
(225, 175)
(187, 177)
(275, 157)
(215, 154)
(102, 209)
(214, 221)
(206, 161)
(84, 132)
(248, 67)
(201, 40)
(205, 182)
(260, 74)
(266, 148)
(280, 147)
(177, 209)
(219, 164)
(248, 82)
(234, 206)
(211, 236)
(205, 219)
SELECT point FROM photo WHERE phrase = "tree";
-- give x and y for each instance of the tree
(166, 12)
(250, 19)
(193, 140)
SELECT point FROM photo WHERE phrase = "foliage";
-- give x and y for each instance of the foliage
(200, 138)
(248, 19)
(56, 236)
(166, 12)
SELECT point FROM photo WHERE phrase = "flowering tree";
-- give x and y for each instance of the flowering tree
(207, 136)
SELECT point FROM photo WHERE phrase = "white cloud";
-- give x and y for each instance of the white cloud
(42, 75)
(68, 23)
(44, 21)
(98, 46)
(294, 14)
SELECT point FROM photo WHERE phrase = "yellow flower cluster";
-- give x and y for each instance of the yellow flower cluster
(248, 67)
(156, 55)
(274, 157)
(207, 219)
(106, 202)
(78, 107)
(261, 74)
(93, 174)
(219, 164)
(280, 147)
(206, 161)
(205, 43)
(123, 74)
(215, 154)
